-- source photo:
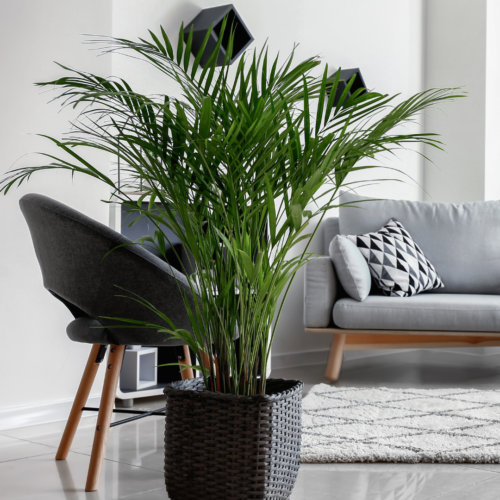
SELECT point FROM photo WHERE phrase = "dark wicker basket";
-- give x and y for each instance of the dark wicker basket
(221, 446)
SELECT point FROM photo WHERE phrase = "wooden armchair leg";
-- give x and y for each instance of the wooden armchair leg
(188, 372)
(335, 359)
(80, 401)
(113, 368)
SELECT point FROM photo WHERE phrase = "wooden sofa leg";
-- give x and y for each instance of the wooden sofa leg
(80, 401)
(113, 368)
(335, 359)
(188, 372)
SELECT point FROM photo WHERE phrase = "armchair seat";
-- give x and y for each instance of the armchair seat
(428, 311)
(84, 330)
(90, 331)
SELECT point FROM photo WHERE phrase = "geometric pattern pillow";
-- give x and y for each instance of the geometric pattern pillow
(397, 264)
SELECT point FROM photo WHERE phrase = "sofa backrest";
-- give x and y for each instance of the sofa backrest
(461, 241)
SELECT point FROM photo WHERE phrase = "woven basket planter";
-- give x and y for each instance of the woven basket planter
(221, 446)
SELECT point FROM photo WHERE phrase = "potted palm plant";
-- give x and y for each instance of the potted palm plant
(237, 165)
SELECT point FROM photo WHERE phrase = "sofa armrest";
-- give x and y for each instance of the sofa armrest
(320, 292)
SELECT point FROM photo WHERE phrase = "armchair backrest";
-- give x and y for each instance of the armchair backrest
(70, 248)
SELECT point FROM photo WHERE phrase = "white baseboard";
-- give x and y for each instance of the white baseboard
(22, 416)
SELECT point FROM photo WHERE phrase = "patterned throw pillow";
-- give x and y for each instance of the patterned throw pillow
(397, 264)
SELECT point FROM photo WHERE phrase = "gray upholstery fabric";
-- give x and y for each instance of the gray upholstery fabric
(426, 311)
(84, 329)
(462, 241)
(351, 268)
(90, 331)
(321, 286)
(70, 248)
(330, 230)
(320, 292)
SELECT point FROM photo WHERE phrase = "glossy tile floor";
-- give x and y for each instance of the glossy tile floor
(133, 468)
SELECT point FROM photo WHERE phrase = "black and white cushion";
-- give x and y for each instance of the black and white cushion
(397, 264)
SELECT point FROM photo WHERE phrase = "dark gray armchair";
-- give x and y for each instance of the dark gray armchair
(70, 248)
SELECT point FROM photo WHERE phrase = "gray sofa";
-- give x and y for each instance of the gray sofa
(463, 243)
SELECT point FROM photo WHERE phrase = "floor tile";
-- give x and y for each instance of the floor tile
(488, 467)
(15, 449)
(43, 478)
(158, 494)
(50, 434)
(484, 490)
(382, 481)
(139, 443)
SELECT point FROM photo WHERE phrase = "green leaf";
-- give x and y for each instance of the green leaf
(206, 117)
(321, 100)
(331, 97)
(258, 264)
(187, 50)
(183, 366)
(307, 116)
(160, 46)
(296, 211)
(271, 209)
(247, 264)
(201, 51)
(180, 44)
(168, 45)
(223, 294)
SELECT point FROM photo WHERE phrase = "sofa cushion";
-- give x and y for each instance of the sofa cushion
(351, 268)
(427, 311)
(462, 241)
(396, 262)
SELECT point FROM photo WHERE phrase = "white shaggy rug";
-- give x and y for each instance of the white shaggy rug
(400, 425)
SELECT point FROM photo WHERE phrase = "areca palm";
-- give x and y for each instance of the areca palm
(237, 166)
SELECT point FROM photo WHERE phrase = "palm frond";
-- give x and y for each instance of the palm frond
(236, 168)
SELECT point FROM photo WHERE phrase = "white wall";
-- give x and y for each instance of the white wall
(462, 48)
(38, 363)
(455, 55)
(492, 132)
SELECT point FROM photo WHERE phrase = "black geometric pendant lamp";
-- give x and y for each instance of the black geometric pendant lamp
(345, 76)
(214, 16)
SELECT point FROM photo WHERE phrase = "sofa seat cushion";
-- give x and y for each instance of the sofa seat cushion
(427, 311)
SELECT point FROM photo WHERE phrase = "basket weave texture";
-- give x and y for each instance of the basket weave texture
(222, 446)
